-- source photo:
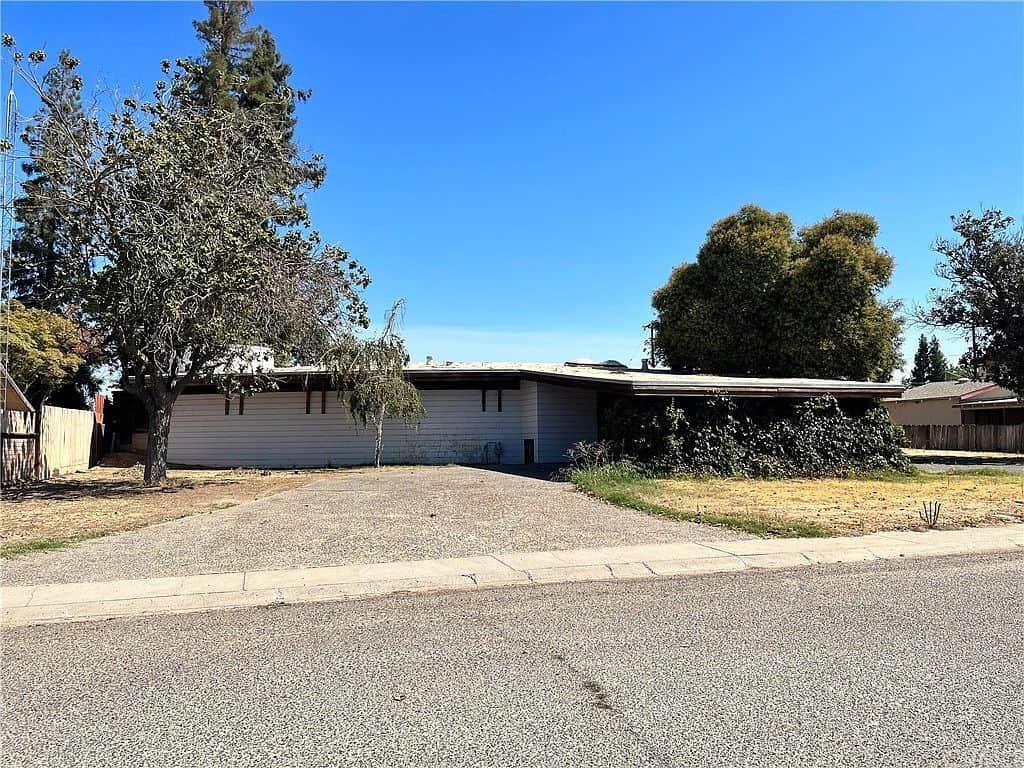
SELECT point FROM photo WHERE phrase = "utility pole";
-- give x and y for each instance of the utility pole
(650, 343)
(974, 352)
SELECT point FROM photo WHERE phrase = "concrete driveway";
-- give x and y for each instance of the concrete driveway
(364, 516)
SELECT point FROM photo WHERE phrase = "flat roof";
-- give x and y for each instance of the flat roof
(633, 381)
(1003, 402)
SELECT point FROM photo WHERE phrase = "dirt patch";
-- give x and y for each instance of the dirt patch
(852, 506)
(112, 498)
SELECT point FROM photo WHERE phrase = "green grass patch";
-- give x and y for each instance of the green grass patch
(983, 472)
(11, 549)
(623, 486)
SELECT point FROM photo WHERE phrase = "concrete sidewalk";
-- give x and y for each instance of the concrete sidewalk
(47, 603)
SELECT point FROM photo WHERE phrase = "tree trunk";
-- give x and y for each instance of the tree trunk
(156, 449)
(380, 438)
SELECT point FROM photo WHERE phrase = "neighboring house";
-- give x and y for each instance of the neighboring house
(997, 407)
(947, 403)
(17, 434)
(14, 398)
(512, 413)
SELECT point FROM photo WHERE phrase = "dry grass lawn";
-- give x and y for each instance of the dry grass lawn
(850, 506)
(111, 498)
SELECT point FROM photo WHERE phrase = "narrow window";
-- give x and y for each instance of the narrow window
(483, 399)
(499, 401)
(307, 395)
(323, 396)
(227, 406)
(241, 404)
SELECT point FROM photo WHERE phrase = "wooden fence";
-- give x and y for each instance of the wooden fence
(65, 442)
(966, 437)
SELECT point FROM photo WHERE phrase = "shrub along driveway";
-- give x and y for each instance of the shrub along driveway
(362, 516)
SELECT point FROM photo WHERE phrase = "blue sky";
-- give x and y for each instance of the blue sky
(525, 175)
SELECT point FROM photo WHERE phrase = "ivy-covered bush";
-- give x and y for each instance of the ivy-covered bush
(720, 436)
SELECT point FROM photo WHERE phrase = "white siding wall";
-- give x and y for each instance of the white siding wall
(276, 431)
(565, 415)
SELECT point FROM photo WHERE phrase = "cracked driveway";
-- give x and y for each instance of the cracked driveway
(364, 516)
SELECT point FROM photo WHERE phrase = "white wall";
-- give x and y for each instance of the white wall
(565, 415)
(528, 398)
(276, 431)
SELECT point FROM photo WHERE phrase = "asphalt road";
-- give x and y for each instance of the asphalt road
(939, 463)
(916, 663)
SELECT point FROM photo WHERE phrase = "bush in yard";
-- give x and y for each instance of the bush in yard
(719, 436)
(586, 455)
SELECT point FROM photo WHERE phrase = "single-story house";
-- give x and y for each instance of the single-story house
(476, 413)
(947, 403)
(997, 407)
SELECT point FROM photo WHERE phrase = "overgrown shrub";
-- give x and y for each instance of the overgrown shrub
(587, 455)
(719, 436)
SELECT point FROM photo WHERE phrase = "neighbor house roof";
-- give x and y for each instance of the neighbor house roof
(1002, 402)
(631, 381)
(993, 397)
(938, 390)
(14, 398)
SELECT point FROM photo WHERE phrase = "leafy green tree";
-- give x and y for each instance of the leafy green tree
(938, 366)
(46, 351)
(46, 272)
(760, 300)
(371, 378)
(922, 361)
(984, 266)
(195, 220)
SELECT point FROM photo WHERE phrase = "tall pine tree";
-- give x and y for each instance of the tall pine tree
(241, 68)
(919, 373)
(937, 363)
(46, 271)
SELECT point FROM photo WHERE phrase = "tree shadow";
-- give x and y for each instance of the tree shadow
(550, 472)
(73, 489)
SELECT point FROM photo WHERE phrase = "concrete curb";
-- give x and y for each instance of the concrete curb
(49, 603)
